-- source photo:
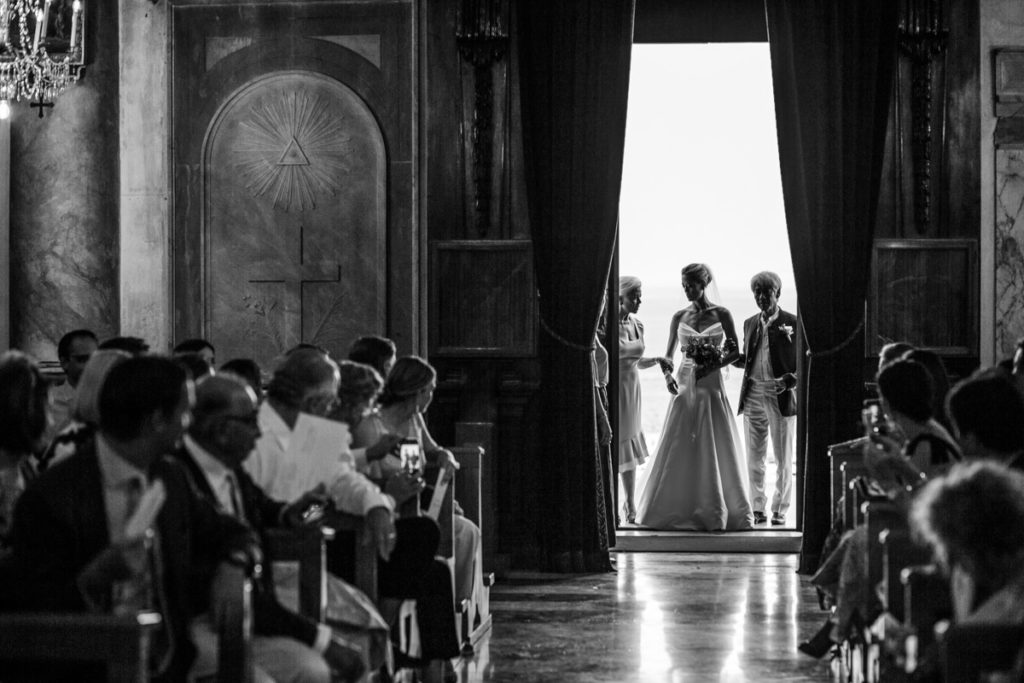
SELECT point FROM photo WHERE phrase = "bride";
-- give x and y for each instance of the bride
(698, 480)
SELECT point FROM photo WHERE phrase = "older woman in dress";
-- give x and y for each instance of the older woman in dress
(632, 447)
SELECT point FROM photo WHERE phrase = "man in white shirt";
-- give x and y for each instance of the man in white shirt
(307, 382)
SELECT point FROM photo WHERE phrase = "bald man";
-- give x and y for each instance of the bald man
(287, 646)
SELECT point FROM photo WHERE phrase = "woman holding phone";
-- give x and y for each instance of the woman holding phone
(407, 394)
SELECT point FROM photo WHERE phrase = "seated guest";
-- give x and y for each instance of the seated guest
(358, 389)
(133, 345)
(307, 346)
(987, 414)
(377, 352)
(220, 438)
(407, 394)
(917, 447)
(85, 412)
(920, 443)
(248, 371)
(73, 351)
(306, 381)
(195, 365)
(891, 351)
(83, 531)
(200, 347)
(940, 382)
(973, 520)
(23, 404)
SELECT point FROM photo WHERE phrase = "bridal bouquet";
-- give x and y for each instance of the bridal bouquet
(704, 352)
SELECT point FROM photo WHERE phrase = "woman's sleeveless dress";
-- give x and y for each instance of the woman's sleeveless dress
(698, 479)
(632, 447)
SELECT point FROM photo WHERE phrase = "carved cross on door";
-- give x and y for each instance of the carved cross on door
(294, 281)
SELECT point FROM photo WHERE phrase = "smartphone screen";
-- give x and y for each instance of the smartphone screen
(410, 455)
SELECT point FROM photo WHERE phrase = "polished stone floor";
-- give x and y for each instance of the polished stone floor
(663, 617)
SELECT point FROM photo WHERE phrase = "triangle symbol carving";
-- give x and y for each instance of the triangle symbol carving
(293, 155)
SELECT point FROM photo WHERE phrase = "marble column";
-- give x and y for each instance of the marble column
(1009, 250)
(64, 203)
(145, 140)
(5, 234)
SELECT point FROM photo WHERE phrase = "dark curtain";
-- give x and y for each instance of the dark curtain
(832, 67)
(574, 69)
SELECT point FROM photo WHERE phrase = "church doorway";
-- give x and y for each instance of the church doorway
(701, 183)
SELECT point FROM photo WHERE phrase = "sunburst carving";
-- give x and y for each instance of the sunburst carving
(292, 149)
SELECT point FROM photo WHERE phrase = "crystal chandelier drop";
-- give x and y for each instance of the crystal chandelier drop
(41, 50)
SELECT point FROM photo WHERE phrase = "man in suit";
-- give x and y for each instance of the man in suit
(76, 537)
(222, 434)
(768, 395)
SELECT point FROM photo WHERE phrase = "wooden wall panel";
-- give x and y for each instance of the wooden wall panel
(925, 291)
(484, 296)
(955, 186)
(474, 332)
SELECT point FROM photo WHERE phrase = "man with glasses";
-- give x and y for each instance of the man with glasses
(306, 381)
(287, 645)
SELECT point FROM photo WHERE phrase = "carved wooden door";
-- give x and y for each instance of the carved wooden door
(295, 175)
(295, 221)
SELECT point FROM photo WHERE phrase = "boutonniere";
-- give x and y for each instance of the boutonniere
(788, 331)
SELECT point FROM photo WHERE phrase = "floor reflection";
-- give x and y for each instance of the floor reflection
(664, 617)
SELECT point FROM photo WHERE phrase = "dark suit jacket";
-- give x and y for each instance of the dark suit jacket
(270, 617)
(60, 526)
(781, 348)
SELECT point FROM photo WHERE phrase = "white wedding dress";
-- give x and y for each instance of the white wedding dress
(698, 479)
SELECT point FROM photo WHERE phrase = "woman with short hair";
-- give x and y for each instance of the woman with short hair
(632, 446)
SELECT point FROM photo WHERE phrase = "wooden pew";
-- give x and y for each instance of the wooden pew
(847, 451)
(234, 634)
(365, 578)
(850, 472)
(120, 643)
(967, 651)
(446, 549)
(308, 547)
(926, 601)
(476, 619)
(880, 516)
(898, 551)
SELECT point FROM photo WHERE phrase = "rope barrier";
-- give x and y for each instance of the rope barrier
(562, 340)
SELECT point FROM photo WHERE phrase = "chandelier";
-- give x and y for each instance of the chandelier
(41, 50)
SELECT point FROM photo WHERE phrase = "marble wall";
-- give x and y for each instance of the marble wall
(144, 224)
(1000, 234)
(64, 204)
(1009, 249)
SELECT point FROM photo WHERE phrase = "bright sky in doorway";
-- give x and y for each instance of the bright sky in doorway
(701, 177)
